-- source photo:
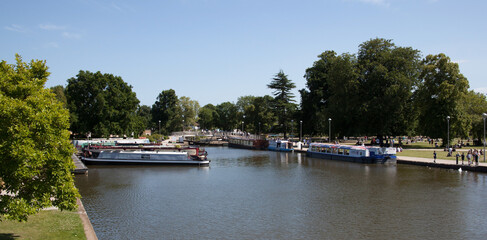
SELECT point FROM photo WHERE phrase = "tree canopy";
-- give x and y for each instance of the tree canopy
(35, 151)
(101, 104)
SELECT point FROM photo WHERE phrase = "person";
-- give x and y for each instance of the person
(434, 156)
(463, 157)
(457, 156)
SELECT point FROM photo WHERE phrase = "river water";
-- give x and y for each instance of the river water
(246, 194)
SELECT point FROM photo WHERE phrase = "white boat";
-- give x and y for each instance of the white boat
(141, 157)
(348, 153)
(280, 146)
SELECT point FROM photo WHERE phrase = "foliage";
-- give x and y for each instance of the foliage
(59, 91)
(439, 95)
(143, 119)
(208, 116)
(227, 113)
(190, 109)
(35, 152)
(102, 104)
(167, 110)
(388, 76)
(472, 106)
(284, 106)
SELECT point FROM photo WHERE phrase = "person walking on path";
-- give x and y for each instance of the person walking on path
(434, 156)
(463, 157)
(457, 156)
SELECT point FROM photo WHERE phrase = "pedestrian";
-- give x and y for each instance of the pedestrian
(457, 156)
(463, 157)
(434, 156)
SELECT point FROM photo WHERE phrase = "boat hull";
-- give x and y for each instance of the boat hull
(358, 159)
(139, 161)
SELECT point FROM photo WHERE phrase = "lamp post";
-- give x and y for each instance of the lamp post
(292, 128)
(300, 130)
(448, 134)
(159, 127)
(329, 129)
(484, 115)
(183, 124)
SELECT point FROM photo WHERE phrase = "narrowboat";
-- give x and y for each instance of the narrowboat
(161, 156)
(248, 143)
(360, 154)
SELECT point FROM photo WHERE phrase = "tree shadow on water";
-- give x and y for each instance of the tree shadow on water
(8, 236)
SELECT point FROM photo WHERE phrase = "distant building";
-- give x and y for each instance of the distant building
(147, 132)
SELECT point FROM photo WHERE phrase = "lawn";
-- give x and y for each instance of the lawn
(47, 224)
(428, 153)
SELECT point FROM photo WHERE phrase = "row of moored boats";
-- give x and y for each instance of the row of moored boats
(195, 155)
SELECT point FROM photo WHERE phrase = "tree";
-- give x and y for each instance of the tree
(35, 152)
(102, 104)
(189, 109)
(473, 105)
(143, 120)
(333, 92)
(388, 76)
(60, 95)
(439, 95)
(227, 113)
(283, 98)
(208, 116)
(167, 110)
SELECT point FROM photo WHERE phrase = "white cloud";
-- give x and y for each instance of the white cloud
(71, 35)
(51, 27)
(377, 2)
(16, 28)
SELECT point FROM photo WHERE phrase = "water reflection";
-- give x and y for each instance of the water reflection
(270, 195)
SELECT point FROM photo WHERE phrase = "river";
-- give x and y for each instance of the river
(246, 194)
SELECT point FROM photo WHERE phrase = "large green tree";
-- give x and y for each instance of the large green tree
(59, 91)
(227, 113)
(388, 76)
(101, 104)
(439, 95)
(284, 105)
(168, 110)
(208, 117)
(332, 92)
(473, 105)
(189, 109)
(35, 152)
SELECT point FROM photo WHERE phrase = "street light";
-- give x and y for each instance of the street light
(484, 115)
(300, 130)
(183, 124)
(448, 134)
(329, 129)
(159, 127)
(292, 127)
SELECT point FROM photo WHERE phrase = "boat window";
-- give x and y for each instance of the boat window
(334, 150)
(340, 151)
(347, 152)
(145, 156)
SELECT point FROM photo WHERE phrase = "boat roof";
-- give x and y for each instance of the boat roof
(329, 145)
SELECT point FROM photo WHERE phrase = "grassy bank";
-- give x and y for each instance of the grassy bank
(47, 224)
(440, 154)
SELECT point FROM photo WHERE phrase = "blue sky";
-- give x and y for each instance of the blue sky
(218, 50)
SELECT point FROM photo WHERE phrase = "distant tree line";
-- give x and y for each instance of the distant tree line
(383, 90)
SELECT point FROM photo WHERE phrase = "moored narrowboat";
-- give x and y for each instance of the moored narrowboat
(360, 154)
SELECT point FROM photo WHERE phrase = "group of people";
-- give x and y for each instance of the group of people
(472, 156)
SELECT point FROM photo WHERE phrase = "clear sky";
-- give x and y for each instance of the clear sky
(218, 50)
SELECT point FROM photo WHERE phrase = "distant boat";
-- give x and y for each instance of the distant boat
(248, 143)
(280, 146)
(360, 154)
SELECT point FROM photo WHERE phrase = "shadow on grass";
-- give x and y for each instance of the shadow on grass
(8, 236)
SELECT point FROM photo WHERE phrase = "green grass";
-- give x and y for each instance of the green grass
(47, 224)
(440, 154)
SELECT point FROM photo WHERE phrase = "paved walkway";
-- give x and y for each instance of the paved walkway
(80, 166)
